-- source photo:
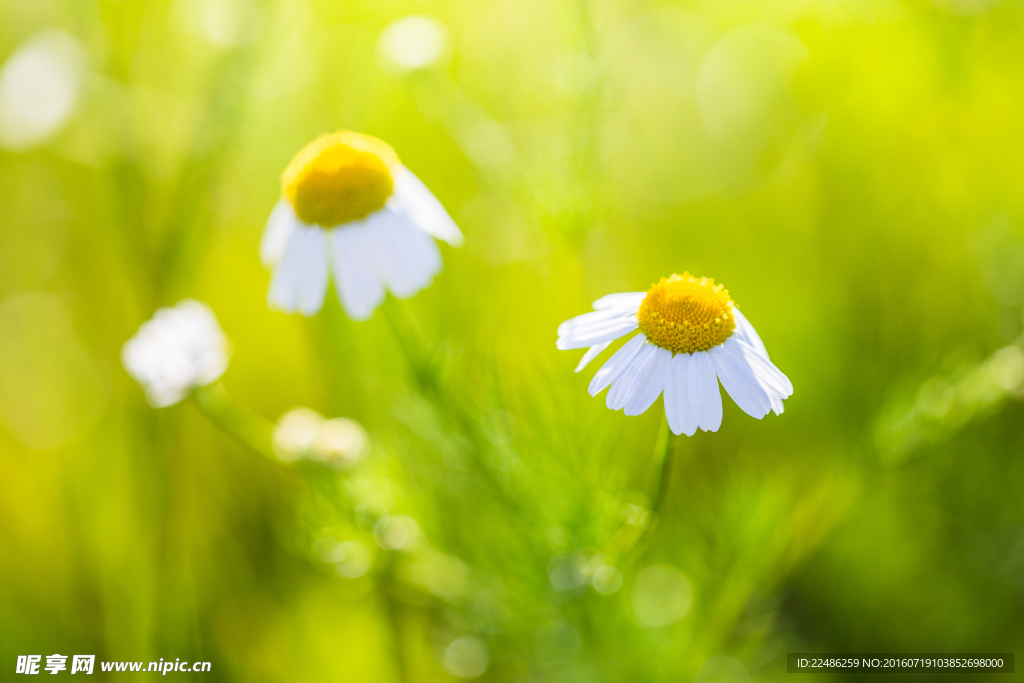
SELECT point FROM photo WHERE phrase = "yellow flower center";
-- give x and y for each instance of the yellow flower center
(338, 178)
(685, 314)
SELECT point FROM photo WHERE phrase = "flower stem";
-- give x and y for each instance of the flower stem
(630, 542)
(663, 453)
(245, 426)
(414, 346)
(393, 609)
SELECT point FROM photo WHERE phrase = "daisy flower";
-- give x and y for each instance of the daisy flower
(350, 207)
(691, 337)
(180, 348)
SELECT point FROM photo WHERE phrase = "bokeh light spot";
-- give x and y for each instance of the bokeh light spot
(661, 596)
(466, 657)
(413, 43)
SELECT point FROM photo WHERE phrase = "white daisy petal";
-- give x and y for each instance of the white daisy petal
(381, 253)
(359, 287)
(422, 254)
(671, 391)
(614, 366)
(705, 398)
(747, 333)
(608, 332)
(406, 259)
(574, 337)
(774, 390)
(652, 384)
(299, 282)
(740, 383)
(769, 376)
(677, 397)
(427, 212)
(590, 320)
(626, 386)
(275, 236)
(591, 354)
(694, 394)
(620, 300)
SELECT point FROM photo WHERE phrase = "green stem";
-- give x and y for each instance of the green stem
(246, 427)
(629, 542)
(663, 452)
(393, 611)
(413, 344)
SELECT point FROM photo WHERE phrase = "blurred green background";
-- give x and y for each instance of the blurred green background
(851, 170)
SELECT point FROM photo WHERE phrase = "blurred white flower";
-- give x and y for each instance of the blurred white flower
(412, 43)
(691, 336)
(180, 348)
(40, 85)
(305, 433)
(351, 207)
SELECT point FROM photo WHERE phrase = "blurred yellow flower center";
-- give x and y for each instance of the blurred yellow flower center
(338, 178)
(685, 314)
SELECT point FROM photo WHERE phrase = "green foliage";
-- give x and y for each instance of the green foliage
(851, 172)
